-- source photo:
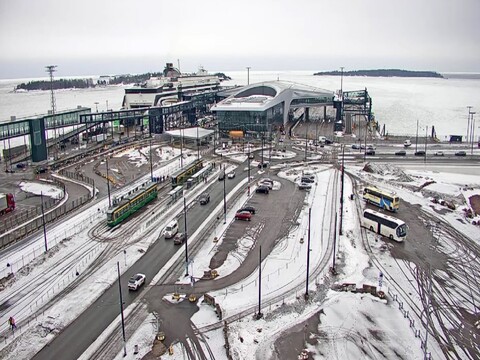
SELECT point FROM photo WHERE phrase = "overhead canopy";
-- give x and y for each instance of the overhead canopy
(190, 133)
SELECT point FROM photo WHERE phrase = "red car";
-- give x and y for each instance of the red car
(243, 215)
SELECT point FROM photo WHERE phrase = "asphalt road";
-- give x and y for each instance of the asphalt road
(75, 338)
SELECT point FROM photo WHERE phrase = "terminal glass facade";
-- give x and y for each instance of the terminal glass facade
(248, 121)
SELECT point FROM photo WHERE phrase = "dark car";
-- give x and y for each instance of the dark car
(401, 153)
(460, 153)
(263, 165)
(420, 153)
(370, 152)
(21, 166)
(204, 199)
(179, 239)
(243, 215)
(221, 176)
(250, 209)
(262, 189)
(355, 146)
(328, 141)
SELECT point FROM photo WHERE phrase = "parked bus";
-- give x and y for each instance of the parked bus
(393, 228)
(381, 198)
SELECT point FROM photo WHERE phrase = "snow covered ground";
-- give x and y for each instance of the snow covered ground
(349, 324)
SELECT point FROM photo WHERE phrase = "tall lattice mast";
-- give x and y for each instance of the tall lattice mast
(50, 70)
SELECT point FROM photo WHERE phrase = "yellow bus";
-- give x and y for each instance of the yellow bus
(381, 198)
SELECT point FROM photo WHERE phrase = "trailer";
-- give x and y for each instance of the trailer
(7, 203)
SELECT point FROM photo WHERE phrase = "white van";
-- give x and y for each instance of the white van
(171, 230)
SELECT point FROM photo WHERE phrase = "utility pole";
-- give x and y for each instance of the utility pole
(224, 197)
(334, 243)
(151, 165)
(342, 179)
(427, 314)
(186, 236)
(259, 313)
(121, 311)
(108, 185)
(306, 139)
(181, 147)
(43, 221)
(426, 138)
(248, 182)
(468, 123)
(473, 130)
(308, 253)
(198, 145)
(248, 75)
(341, 83)
(416, 138)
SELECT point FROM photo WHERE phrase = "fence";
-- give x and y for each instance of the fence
(30, 221)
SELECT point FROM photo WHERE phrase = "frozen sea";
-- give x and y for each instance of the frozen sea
(397, 102)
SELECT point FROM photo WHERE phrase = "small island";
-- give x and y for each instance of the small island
(90, 83)
(383, 73)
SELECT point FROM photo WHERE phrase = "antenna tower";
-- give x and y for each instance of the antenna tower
(50, 70)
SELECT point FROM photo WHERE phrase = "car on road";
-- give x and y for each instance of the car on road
(136, 281)
(231, 174)
(250, 209)
(221, 176)
(439, 153)
(180, 238)
(407, 143)
(401, 153)
(171, 229)
(251, 156)
(309, 179)
(204, 199)
(355, 146)
(369, 152)
(304, 186)
(371, 147)
(243, 215)
(263, 165)
(420, 153)
(460, 153)
(262, 189)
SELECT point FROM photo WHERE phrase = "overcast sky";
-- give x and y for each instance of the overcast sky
(90, 37)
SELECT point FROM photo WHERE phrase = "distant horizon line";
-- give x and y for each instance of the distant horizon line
(225, 72)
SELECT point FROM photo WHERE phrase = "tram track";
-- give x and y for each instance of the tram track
(445, 305)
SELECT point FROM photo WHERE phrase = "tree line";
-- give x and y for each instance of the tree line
(382, 73)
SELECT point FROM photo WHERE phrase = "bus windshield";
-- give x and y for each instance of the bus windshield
(402, 230)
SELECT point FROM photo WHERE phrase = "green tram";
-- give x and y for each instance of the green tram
(131, 203)
(179, 177)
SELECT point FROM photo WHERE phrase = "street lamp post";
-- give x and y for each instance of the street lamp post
(224, 197)
(96, 106)
(108, 185)
(151, 165)
(121, 311)
(43, 222)
(186, 234)
(248, 182)
(426, 138)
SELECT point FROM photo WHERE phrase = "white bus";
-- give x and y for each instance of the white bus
(393, 228)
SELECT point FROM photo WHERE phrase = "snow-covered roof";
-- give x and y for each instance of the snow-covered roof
(190, 133)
